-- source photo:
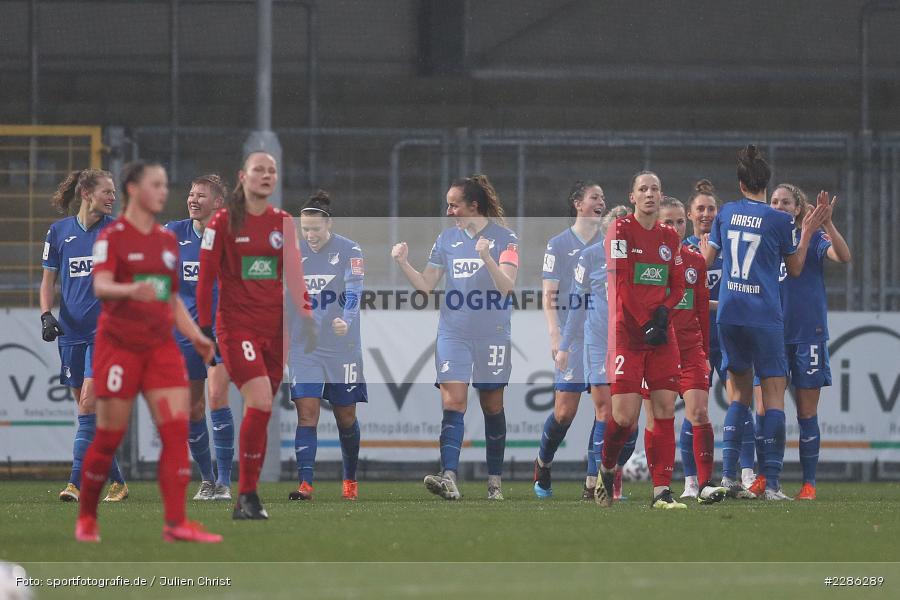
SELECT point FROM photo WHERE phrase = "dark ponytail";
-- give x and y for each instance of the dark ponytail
(576, 193)
(704, 187)
(318, 204)
(752, 169)
(68, 194)
(133, 172)
(478, 188)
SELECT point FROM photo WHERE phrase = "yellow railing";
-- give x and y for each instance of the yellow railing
(33, 160)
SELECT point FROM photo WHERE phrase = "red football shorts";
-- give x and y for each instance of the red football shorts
(628, 368)
(120, 372)
(247, 355)
(694, 370)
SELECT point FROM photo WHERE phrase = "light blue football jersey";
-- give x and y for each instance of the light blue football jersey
(752, 239)
(472, 306)
(559, 265)
(68, 249)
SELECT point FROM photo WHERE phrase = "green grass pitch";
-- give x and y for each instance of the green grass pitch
(397, 541)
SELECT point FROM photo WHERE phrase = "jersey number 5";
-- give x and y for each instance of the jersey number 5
(753, 240)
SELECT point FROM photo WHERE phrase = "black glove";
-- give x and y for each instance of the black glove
(311, 333)
(208, 332)
(50, 329)
(655, 328)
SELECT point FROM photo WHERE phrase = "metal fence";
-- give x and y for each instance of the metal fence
(406, 172)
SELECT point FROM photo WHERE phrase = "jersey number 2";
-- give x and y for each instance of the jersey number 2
(753, 240)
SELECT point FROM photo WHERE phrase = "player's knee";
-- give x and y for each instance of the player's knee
(564, 411)
(698, 415)
(344, 416)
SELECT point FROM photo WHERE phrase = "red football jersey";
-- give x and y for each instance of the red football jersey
(133, 256)
(691, 315)
(250, 267)
(645, 271)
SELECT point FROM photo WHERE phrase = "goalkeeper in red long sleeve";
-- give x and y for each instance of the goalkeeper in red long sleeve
(250, 247)
(646, 281)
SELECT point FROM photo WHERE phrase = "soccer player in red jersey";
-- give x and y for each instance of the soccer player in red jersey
(647, 281)
(250, 247)
(136, 278)
(691, 320)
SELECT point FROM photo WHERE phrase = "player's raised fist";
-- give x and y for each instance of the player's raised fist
(483, 248)
(339, 327)
(400, 252)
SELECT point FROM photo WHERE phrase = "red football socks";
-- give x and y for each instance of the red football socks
(174, 471)
(704, 444)
(663, 452)
(253, 448)
(95, 469)
(614, 438)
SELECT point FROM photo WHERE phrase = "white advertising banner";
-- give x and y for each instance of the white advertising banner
(859, 415)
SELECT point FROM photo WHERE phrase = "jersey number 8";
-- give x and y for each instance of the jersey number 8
(249, 352)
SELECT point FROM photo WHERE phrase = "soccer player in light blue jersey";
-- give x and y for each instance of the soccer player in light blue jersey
(587, 205)
(333, 270)
(206, 196)
(479, 259)
(67, 259)
(805, 305)
(701, 211)
(753, 238)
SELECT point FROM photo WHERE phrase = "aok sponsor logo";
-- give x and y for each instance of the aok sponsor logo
(651, 274)
(258, 267)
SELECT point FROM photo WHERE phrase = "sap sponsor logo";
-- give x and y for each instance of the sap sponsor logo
(81, 266)
(316, 283)
(466, 267)
(190, 270)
